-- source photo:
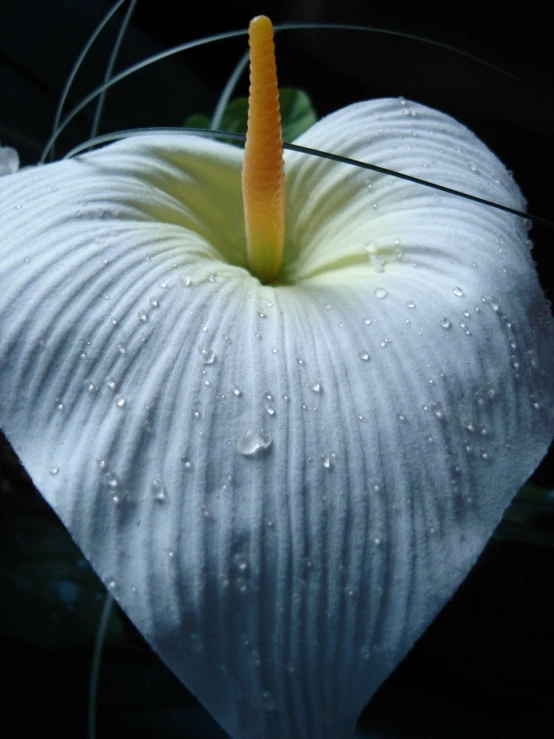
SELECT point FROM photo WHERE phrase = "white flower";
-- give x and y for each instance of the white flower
(9, 160)
(282, 484)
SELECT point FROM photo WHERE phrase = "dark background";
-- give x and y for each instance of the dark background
(485, 666)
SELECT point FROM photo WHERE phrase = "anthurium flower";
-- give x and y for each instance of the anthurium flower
(283, 480)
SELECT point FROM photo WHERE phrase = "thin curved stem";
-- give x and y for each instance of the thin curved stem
(95, 665)
(111, 64)
(228, 90)
(56, 129)
(243, 32)
(107, 138)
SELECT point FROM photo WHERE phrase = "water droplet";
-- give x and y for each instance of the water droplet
(237, 392)
(253, 443)
(154, 302)
(143, 318)
(195, 643)
(445, 323)
(327, 306)
(364, 356)
(458, 292)
(112, 584)
(91, 387)
(411, 304)
(102, 463)
(380, 293)
(240, 562)
(120, 401)
(437, 409)
(270, 410)
(268, 701)
(367, 321)
(299, 361)
(185, 280)
(255, 658)
(112, 480)
(326, 462)
(208, 355)
(261, 314)
(157, 489)
(187, 464)
(316, 386)
(401, 417)
(242, 585)
(54, 470)
(268, 396)
(472, 166)
(122, 349)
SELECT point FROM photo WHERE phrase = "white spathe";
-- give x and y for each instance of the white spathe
(9, 160)
(280, 485)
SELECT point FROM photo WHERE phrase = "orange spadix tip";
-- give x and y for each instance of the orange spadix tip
(263, 173)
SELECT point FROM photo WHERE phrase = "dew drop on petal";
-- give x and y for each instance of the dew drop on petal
(380, 293)
(120, 401)
(268, 701)
(157, 489)
(316, 386)
(445, 323)
(411, 304)
(458, 292)
(437, 409)
(364, 355)
(208, 355)
(195, 643)
(237, 392)
(253, 443)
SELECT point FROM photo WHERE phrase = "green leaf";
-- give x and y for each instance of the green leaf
(297, 115)
(197, 121)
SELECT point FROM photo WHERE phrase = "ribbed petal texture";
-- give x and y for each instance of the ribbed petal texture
(281, 486)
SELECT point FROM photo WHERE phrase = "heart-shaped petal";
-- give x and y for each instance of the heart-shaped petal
(281, 485)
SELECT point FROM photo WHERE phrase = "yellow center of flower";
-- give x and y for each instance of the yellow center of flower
(263, 172)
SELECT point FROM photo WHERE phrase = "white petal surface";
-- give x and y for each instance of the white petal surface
(280, 485)
(9, 160)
